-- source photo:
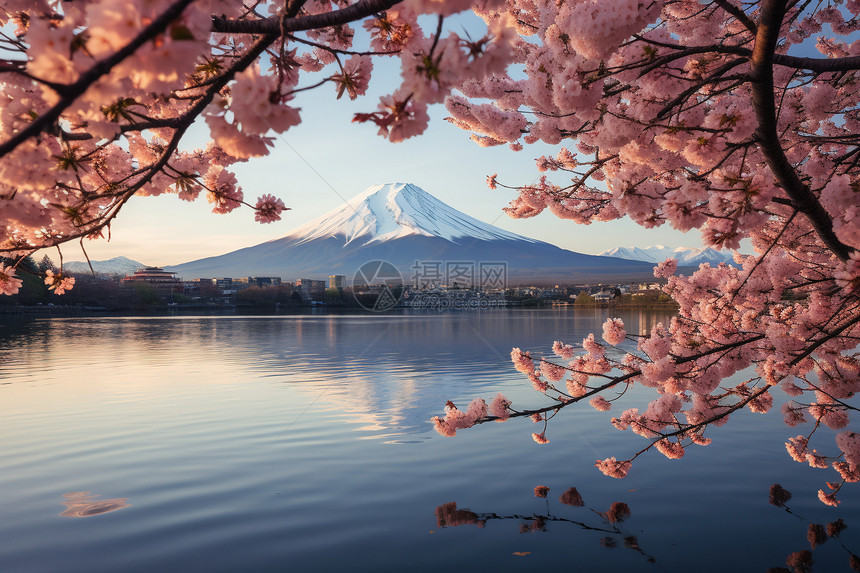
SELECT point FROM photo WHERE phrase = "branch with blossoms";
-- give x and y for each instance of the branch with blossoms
(99, 96)
(674, 149)
(730, 136)
(694, 374)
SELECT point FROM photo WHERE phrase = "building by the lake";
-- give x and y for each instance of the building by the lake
(156, 277)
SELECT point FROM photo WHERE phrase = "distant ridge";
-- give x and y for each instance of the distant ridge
(401, 223)
(114, 266)
(687, 256)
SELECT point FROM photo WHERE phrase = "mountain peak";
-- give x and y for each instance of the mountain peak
(114, 266)
(394, 210)
(429, 242)
(687, 256)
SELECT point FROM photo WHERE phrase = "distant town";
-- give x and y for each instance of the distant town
(154, 287)
(229, 290)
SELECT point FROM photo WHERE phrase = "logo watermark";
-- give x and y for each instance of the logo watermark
(459, 274)
(377, 286)
(454, 300)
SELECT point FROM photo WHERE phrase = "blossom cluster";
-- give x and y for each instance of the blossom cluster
(659, 113)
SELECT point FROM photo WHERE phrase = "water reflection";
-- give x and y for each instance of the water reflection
(86, 504)
(817, 534)
(242, 441)
(606, 526)
(594, 521)
(387, 373)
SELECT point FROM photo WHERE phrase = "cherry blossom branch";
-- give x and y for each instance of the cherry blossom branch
(739, 14)
(676, 103)
(739, 405)
(70, 92)
(761, 70)
(619, 379)
(818, 65)
(336, 50)
(272, 25)
(181, 124)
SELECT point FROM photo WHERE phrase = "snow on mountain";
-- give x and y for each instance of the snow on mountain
(404, 225)
(395, 210)
(114, 266)
(629, 253)
(687, 256)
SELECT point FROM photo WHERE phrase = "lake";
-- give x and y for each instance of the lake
(286, 443)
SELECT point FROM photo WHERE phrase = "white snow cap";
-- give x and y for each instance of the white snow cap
(393, 210)
(658, 253)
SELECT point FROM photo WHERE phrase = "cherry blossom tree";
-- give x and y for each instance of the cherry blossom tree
(736, 118)
(699, 115)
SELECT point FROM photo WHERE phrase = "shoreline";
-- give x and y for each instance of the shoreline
(95, 312)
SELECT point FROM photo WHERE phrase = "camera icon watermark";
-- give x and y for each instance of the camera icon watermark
(462, 285)
(377, 286)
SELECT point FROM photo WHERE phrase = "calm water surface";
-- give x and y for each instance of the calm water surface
(287, 443)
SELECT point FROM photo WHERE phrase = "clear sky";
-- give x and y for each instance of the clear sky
(327, 159)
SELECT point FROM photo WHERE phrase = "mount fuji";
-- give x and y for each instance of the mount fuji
(401, 223)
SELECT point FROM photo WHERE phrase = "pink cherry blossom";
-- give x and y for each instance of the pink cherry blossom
(563, 350)
(667, 268)
(849, 443)
(828, 498)
(552, 372)
(613, 468)
(613, 331)
(499, 407)
(848, 472)
(670, 449)
(58, 283)
(268, 209)
(9, 282)
(522, 361)
(354, 77)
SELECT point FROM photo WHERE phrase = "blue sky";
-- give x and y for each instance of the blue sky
(327, 159)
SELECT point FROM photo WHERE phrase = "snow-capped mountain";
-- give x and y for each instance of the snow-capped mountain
(401, 223)
(114, 266)
(396, 210)
(687, 256)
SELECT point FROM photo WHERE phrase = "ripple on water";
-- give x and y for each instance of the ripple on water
(271, 444)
